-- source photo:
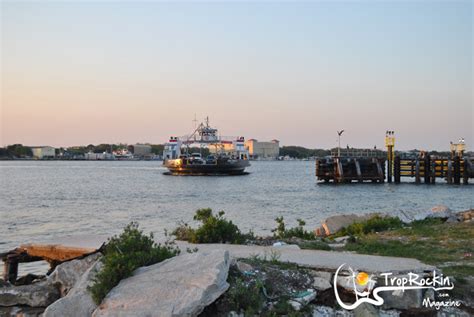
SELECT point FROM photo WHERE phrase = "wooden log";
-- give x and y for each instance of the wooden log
(54, 252)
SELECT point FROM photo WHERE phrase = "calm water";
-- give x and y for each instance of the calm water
(43, 200)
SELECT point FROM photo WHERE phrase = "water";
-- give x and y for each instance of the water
(43, 200)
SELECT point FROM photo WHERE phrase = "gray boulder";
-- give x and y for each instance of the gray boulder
(321, 284)
(67, 274)
(335, 223)
(78, 302)
(47, 291)
(39, 294)
(440, 211)
(180, 286)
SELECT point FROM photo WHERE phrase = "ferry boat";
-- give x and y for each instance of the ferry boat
(227, 155)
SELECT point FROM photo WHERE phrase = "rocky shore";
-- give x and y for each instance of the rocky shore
(272, 279)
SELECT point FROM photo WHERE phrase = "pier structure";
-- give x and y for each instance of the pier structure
(377, 166)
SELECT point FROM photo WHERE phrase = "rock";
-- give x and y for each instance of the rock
(341, 239)
(466, 216)
(78, 302)
(180, 286)
(39, 294)
(402, 299)
(321, 284)
(335, 223)
(67, 274)
(243, 267)
(346, 283)
(45, 292)
(389, 313)
(366, 310)
(440, 211)
(304, 299)
(325, 311)
(452, 312)
(323, 274)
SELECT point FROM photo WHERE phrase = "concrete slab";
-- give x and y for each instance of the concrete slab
(328, 260)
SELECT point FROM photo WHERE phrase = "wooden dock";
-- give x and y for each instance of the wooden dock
(423, 169)
(349, 169)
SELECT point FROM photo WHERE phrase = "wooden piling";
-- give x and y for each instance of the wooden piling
(449, 174)
(426, 169)
(433, 171)
(457, 170)
(10, 268)
(466, 171)
(417, 171)
(396, 169)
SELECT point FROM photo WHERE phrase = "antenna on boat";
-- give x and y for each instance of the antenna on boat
(195, 126)
(195, 122)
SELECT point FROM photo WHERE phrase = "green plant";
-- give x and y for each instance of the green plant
(245, 297)
(281, 232)
(374, 224)
(213, 229)
(125, 253)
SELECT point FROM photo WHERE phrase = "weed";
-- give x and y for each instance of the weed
(125, 253)
(281, 232)
(213, 229)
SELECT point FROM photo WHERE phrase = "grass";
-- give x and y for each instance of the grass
(448, 246)
(125, 253)
(374, 224)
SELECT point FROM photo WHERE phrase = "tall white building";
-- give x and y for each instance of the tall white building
(264, 150)
(43, 152)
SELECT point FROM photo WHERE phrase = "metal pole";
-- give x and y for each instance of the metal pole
(339, 146)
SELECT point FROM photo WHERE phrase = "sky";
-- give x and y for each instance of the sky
(81, 72)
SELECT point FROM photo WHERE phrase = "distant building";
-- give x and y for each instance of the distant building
(140, 150)
(264, 150)
(43, 152)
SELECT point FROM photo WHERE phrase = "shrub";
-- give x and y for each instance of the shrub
(125, 253)
(374, 224)
(213, 229)
(281, 232)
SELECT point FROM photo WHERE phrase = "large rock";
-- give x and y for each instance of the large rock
(39, 294)
(335, 223)
(45, 292)
(67, 274)
(440, 211)
(78, 302)
(180, 286)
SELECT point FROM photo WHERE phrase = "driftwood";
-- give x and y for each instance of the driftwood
(54, 254)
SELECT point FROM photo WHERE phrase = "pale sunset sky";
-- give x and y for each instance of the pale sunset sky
(81, 72)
